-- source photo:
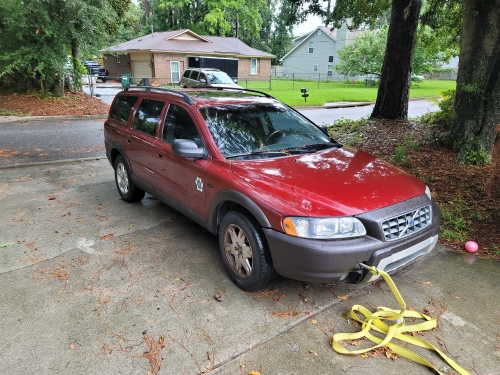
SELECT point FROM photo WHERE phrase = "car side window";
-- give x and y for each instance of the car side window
(186, 74)
(147, 116)
(180, 125)
(194, 75)
(122, 107)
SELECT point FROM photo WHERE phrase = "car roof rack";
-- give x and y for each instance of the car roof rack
(185, 96)
(221, 88)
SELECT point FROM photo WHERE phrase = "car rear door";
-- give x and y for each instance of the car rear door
(139, 141)
(180, 178)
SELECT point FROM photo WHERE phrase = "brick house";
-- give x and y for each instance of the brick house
(165, 55)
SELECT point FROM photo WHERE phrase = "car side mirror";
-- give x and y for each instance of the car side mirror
(188, 149)
(324, 129)
(203, 80)
(235, 80)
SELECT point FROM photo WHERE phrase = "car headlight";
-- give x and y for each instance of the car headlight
(324, 228)
(428, 192)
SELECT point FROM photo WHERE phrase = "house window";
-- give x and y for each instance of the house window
(311, 47)
(330, 58)
(315, 67)
(330, 71)
(175, 71)
(319, 32)
(253, 66)
(118, 59)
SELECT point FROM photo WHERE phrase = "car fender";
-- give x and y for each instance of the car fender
(236, 197)
(116, 146)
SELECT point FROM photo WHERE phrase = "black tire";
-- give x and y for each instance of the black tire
(128, 191)
(103, 80)
(245, 252)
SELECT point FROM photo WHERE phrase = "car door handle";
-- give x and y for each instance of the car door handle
(159, 155)
(129, 141)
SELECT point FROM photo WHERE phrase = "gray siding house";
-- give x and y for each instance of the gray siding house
(314, 55)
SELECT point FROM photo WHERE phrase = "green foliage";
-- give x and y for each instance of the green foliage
(446, 117)
(366, 56)
(477, 157)
(347, 131)
(441, 25)
(455, 220)
(38, 35)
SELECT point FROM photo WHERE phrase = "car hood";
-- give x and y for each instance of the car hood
(341, 181)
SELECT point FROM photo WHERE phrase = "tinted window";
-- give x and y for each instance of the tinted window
(147, 116)
(194, 75)
(186, 74)
(122, 107)
(180, 125)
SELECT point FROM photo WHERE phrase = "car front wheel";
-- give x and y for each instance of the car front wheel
(128, 191)
(244, 252)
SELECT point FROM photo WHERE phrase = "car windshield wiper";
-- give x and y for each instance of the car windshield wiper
(315, 146)
(257, 152)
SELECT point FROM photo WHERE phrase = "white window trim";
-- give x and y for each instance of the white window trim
(311, 49)
(256, 65)
(315, 67)
(171, 71)
(329, 72)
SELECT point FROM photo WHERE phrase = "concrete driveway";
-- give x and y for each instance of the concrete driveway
(92, 285)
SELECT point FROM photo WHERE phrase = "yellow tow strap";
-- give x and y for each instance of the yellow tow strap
(375, 321)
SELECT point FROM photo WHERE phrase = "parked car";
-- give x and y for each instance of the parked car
(279, 193)
(93, 68)
(206, 77)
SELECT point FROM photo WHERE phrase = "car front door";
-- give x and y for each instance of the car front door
(180, 178)
(139, 140)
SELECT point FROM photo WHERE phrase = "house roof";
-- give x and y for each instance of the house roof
(301, 39)
(187, 41)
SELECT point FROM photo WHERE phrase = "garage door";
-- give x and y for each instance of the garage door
(140, 70)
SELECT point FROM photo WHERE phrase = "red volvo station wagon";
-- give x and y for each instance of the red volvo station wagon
(279, 193)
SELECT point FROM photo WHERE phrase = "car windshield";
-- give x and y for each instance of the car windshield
(269, 130)
(219, 78)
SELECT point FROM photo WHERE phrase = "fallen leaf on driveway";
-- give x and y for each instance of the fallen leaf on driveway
(106, 237)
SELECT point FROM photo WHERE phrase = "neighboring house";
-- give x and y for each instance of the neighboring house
(451, 69)
(314, 55)
(165, 55)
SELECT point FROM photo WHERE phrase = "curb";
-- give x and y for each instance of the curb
(48, 118)
(48, 162)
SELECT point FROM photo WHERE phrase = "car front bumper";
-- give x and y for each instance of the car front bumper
(332, 261)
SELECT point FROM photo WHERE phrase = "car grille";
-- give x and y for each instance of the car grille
(400, 226)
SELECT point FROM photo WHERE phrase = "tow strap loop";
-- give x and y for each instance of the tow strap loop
(376, 320)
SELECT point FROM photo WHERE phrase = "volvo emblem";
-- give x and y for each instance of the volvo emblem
(410, 222)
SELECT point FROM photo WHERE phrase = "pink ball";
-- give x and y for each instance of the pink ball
(471, 246)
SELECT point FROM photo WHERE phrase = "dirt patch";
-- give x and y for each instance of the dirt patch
(78, 104)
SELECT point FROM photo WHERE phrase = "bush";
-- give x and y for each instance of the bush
(446, 117)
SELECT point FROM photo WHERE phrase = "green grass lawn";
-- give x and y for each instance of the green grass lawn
(289, 92)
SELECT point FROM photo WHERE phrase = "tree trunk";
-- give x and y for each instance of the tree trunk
(393, 92)
(477, 100)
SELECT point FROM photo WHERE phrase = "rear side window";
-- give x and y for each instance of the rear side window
(147, 116)
(122, 107)
(186, 74)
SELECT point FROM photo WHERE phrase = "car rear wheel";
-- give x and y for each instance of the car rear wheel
(244, 252)
(128, 191)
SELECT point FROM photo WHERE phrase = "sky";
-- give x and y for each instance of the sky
(309, 25)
